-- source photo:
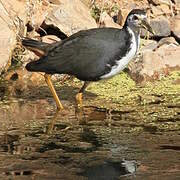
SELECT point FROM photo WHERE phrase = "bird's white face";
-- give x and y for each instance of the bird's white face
(135, 19)
(140, 21)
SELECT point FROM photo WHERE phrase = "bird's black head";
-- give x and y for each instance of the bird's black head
(137, 19)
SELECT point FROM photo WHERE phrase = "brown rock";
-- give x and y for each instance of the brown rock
(155, 2)
(164, 57)
(175, 27)
(33, 11)
(10, 27)
(148, 45)
(55, 2)
(177, 2)
(16, 8)
(152, 64)
(156, 11)
(166, 41)
(107, 21)
(37, 11)
(21, 80)
(50, 39)
(122, 14)
(7, 39)
(165, 8)
(70, 17)
(87, 2)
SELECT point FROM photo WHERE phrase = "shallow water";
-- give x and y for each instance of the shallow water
(96, 144)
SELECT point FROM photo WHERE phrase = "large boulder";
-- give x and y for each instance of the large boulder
(70, 16)
(152, 64)
(175, 27)
(14, 16)
(33, 11)
(7, 39)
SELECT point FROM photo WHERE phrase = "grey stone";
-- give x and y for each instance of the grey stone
(161, 27)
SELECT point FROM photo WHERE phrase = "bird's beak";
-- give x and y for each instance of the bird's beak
(145, 24)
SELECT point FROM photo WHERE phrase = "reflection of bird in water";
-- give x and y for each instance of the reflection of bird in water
(89, 55)
(52, 124)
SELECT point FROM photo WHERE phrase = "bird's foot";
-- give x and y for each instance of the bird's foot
(59, 105)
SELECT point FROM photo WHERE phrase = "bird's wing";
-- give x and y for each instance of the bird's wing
(85, 54)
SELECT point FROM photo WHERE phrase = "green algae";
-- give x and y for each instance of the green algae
(122, 90)
(155, 104)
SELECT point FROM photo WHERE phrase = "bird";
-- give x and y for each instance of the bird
(89, 55)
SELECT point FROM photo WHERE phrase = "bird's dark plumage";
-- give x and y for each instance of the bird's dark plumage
(85, 54)
(38, 47)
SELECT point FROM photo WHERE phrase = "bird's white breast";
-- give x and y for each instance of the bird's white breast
(121, 63)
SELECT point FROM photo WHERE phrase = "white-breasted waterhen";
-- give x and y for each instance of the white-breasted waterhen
(89, 55)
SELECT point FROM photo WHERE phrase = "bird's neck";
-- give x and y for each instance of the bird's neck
(136, 32)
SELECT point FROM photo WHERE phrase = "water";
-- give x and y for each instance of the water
(98, 144)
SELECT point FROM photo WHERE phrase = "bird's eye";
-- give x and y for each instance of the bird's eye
(135, 18)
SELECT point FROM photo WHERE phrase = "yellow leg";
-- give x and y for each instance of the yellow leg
(79, 96)
(52, 123)
(79, 99)
(53, 91)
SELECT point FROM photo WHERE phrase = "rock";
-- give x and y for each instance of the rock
(153, 64)
(88, 3)
(156, 11)
(20, 81)
(161, 27)
(70, 17)
(55, 2)
(148, 45)
(7, 40)
(177, 2)
(175, 27)
(166, 41)
(122, 14)
(107, 21)
(33, 11)
(14, 16)
(154, 2)
(159, 2)
(16, 8)
(165, 8)
(50, 39)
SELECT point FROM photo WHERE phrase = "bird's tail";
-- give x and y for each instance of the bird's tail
(35, 66)
(38, 47)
